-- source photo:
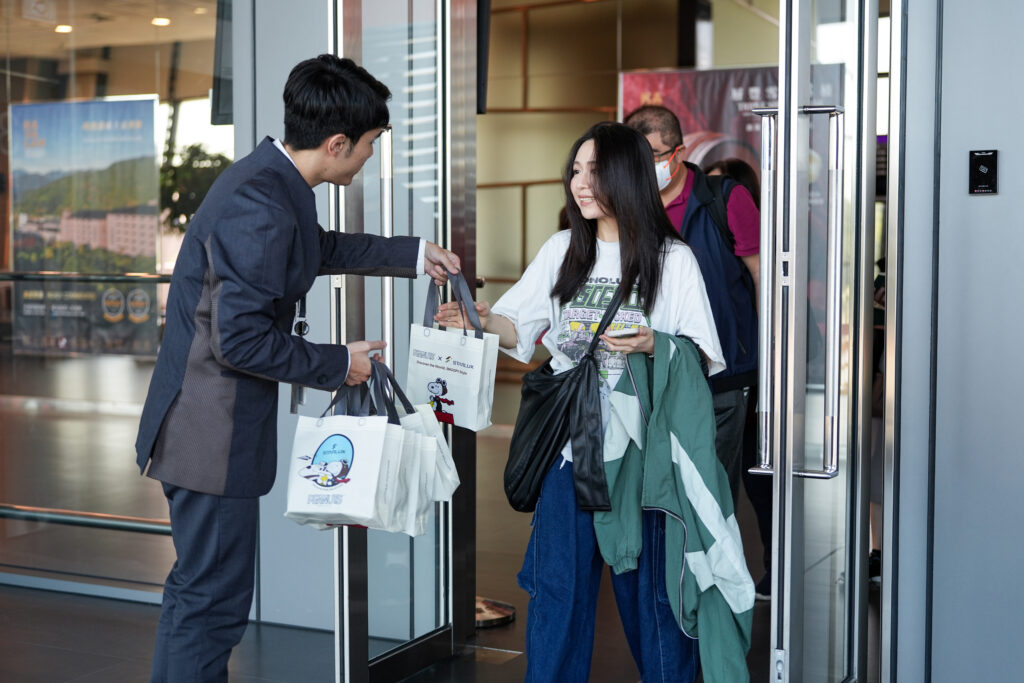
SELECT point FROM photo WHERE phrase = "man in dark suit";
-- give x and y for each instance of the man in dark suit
(209, 426)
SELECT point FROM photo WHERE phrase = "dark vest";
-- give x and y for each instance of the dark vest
(730, 289)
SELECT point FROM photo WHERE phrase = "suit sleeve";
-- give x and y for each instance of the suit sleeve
(361, 254)
(248, 265)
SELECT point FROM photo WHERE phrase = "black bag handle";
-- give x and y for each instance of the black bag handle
(460, 290)
(383, 401)
(350, 400)
(397, 392)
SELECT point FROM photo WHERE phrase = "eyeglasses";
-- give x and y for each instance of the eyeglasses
(667, 154)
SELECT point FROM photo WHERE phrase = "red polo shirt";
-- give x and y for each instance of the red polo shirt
(744, 218)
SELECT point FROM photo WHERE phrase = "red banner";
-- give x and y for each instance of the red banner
(713, 107)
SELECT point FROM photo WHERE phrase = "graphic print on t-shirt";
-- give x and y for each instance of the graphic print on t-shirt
(581, 317)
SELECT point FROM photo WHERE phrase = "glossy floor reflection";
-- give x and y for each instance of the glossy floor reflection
(53, 637)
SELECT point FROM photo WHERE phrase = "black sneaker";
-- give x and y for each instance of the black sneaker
(763, 589)
(875, 566)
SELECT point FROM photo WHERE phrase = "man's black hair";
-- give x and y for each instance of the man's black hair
(652, 118)
(327, 95)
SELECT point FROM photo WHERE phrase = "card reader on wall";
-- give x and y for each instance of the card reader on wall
(982, 171)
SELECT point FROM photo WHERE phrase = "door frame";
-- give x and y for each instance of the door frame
(787, 604)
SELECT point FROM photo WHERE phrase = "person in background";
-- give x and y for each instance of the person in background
(208, 430)
(740, 171)
(729, 263)
(619, 236)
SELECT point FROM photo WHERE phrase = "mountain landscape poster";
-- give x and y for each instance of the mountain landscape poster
(85, 202)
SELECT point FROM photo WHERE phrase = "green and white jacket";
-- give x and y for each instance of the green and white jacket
(670, 464)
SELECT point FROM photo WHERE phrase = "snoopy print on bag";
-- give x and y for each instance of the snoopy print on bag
(437, 390)
(331, 463)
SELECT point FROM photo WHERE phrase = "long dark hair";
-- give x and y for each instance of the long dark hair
(626, 188)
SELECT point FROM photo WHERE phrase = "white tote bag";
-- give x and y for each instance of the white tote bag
(453, 370)
(340, 468)
(410, 521)
(425, 501)
(402, 509)
(391, 486)
(421, 419)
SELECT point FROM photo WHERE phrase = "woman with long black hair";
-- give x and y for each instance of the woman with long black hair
(619, 236)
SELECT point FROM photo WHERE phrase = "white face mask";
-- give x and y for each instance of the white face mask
(664, 172)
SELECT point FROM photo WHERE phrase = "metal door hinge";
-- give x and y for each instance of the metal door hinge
(779, 666)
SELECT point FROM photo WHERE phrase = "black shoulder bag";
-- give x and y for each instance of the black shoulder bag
(554, 409)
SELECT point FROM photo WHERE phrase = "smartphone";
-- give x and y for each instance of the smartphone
(623, 332)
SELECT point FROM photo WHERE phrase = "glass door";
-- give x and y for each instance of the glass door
(394, 592)
(105, 120)
(817, 251)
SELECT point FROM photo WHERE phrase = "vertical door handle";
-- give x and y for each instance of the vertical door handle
(766, 313)
(833, 293)
(387, 229)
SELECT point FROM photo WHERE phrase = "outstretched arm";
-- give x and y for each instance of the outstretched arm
(450, 315)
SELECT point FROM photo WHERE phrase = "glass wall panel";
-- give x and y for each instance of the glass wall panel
(106, 149)
(407, 576)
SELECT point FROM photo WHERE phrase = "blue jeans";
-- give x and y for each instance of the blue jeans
(562, 573)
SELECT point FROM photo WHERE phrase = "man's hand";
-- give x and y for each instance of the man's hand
(359, 360)
(438, 262)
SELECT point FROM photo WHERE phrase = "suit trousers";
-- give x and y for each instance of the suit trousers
(562, 573)
(208, 593)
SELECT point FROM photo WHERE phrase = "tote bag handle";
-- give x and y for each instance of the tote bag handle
(386, 378)
(382, 400)
(349, 400)
(460, 290)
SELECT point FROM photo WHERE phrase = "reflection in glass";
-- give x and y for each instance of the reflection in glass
(107, 142)
(400, 48)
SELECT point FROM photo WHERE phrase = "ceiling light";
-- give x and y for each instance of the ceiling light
(160, 21)
(200, 10)
(62, 28)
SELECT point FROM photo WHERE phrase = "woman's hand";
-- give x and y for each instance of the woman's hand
(451, 315)
(641, 342)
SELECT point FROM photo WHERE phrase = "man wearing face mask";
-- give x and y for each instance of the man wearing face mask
(729, 263)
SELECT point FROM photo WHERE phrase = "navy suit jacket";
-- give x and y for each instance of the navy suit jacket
(251, 252)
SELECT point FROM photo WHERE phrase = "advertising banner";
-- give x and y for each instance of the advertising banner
(713, 107)
(84, 200)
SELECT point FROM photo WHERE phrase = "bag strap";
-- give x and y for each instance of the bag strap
(396, 389)
(349, 400)
(606, 320)
(713, 192)
(382, 400)
(460, 290)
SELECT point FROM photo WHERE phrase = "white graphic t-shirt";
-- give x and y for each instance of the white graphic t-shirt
(682, 308)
